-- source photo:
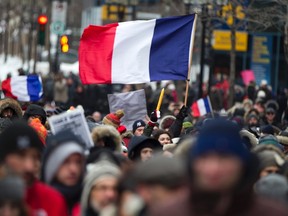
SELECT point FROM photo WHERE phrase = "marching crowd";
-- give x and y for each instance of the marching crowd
(223, 163)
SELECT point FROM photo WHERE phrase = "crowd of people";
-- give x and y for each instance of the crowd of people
(223, 163)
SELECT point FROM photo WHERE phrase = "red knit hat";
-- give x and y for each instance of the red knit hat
(113, 119)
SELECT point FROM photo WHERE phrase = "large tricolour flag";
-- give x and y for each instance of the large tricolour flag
(23, 88)
(137, 51)
(201, 107)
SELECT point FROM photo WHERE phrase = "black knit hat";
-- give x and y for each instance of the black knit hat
(137, 124)
(33, 110)
(18, 136)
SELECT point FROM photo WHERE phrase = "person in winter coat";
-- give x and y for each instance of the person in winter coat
(142, 148)
(270, 157)
(273, 186)
(138, 127)
(106, 136)
(163, 137)
(35, 111)
(20, 152)
(60, 91)
(100, 187)
(10, 108)
(63, 168)
(222, 175)
(159, 180)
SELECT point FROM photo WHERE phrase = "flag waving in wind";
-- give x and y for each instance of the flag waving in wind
(201, 107)
(137, 51)
(23, 88)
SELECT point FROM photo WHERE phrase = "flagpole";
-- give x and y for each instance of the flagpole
(212, 112)
(190, 62)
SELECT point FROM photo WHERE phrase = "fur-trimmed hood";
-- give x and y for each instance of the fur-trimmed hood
(250, 136)
(108, 135)
(283, 137)
(12, 104)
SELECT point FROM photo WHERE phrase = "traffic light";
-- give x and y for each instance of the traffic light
(42, 21)
(64, 44)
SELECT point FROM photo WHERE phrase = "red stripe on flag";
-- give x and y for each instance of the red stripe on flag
(6, 88)
(95, 54)
(195, 109)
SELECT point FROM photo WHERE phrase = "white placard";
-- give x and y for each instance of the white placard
(59, 12)
(73, 121)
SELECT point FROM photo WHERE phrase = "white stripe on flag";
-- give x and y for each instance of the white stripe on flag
(201, 106)
(133, 42)
(19, 88)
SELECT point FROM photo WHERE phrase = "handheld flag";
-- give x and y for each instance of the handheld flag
(201, 107)
(23, 88)
(137, 51)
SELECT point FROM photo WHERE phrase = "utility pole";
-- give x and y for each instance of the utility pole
(232, 56)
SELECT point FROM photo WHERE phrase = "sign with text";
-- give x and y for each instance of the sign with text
(261, 57)
(74, 121)
(222, 40)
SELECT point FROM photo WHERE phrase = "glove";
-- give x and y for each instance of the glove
(183, 113)
(155, 115)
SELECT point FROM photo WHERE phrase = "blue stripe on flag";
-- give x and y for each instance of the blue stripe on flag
(34, 87)
(170, 48)
(207, 105)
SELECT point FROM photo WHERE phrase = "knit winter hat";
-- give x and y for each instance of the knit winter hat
(100, 169)
(137, 124)
(267, 129)
(222, 137)
(34, 110)
(113, 118)
(12, 188)
(273, 186)
(17, 137)
(270, 140)
(161, 170)
(59, 148)
(40, 129)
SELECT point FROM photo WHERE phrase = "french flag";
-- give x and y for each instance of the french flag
(201, 107)
(23, 88)
(137, 51)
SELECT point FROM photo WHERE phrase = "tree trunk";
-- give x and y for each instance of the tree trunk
(232, 57)
(6, 37)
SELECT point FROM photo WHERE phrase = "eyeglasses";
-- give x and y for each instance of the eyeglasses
(270, 113)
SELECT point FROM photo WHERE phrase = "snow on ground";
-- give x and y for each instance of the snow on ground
(14, 63)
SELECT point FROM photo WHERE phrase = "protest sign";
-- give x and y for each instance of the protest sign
(133, 103)
(247, 76)
(74, 121)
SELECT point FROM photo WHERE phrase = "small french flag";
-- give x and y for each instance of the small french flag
(23, 88)
(201, 107)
